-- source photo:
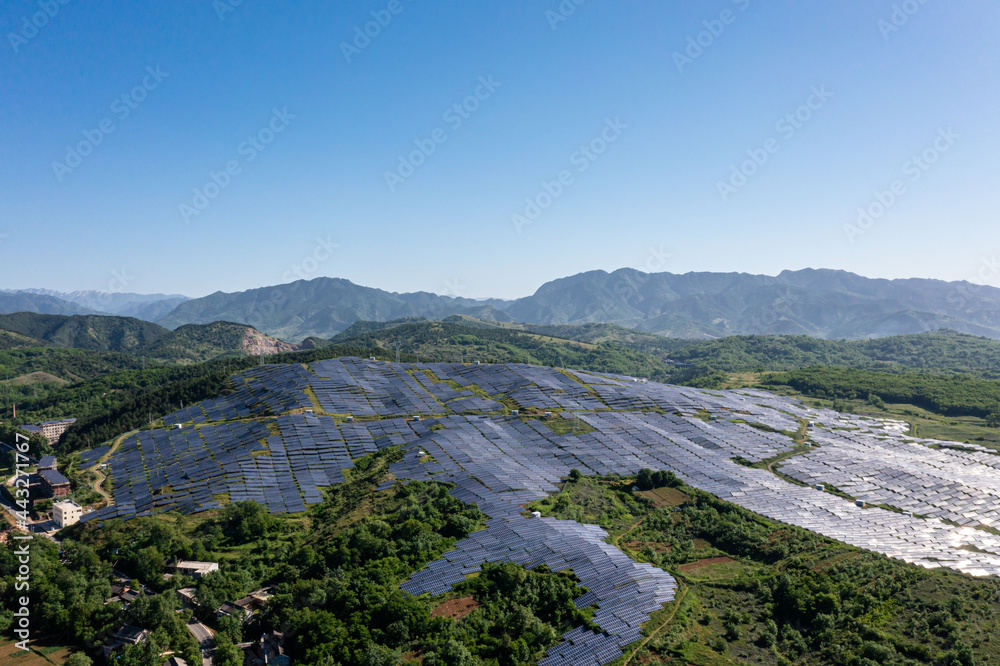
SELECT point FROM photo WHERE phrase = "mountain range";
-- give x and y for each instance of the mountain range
(149, 307)
(816, 302)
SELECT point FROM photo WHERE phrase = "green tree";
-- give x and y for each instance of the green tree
(226, 652)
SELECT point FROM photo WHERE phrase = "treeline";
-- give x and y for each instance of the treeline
(448, 341)
(942, 394)
(941, 352)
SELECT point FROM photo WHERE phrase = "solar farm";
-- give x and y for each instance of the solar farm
(289, 431)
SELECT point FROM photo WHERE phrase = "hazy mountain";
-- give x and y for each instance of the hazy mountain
(16, 301)
(320, 307)
(142, 306)
(819, 303)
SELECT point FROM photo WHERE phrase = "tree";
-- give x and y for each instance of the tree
(143, 654)
(993, 418)
(644, 480)
(78, 659)
(247, 521)
(226, 652)
(232, 627)
(575, 475)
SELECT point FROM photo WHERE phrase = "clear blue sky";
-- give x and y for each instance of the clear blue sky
(650, 200)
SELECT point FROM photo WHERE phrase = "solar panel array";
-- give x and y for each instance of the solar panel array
(178, 470)
(90, 458)
(500, 463)
(267, 389)
(961, 487)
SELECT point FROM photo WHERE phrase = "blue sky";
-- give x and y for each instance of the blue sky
(597, 138)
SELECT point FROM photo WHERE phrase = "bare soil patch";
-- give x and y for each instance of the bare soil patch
(707, 562)
(662, 497)
(456, 609)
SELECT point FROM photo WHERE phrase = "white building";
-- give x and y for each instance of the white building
(66, 513)
(195, 569)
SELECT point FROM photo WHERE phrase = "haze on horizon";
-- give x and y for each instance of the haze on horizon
(482, 150)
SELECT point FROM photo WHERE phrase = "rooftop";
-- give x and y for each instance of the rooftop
(53, 477)
(130, 633)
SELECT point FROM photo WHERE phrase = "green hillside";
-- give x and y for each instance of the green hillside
(12, 340)
(196, 343)
(941, 351)
(449, 341)
(941, 394)
(753, 591)
(193, 343)
(95, 332)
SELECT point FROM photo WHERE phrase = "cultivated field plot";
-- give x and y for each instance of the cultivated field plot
(257, 444)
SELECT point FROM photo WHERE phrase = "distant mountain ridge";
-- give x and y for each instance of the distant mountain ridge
(126, 304)
(18, 301)
(321, 307)
(819, 303)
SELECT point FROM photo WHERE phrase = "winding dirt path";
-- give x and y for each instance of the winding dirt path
(664, 623)
(96, 467)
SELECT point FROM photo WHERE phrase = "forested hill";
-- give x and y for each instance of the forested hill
(464, 341)
(466, 337)
(95, 332)
(941, 351)
(193, 343)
